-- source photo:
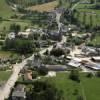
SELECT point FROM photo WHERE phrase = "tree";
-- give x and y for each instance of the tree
(74, 75)
(92, 1)
(0, 19)
(34, 74)
(84, 18)
(24, 46)
(15, 28)
(42, 70)
(21, 46)
(80, 98)
(89, 75)
(60, 2)
(43, 90)
(57, 52)
(98, 74)
(46, 52)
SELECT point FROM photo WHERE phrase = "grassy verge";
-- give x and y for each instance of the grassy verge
(4, 75)
(5, 10)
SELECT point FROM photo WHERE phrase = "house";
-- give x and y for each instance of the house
(19, 93)
(89, 51)
(96, 59)
(24, 34)
(93, 66)
(11, 35)
(55, 35)
(75, 62)
(43, 43)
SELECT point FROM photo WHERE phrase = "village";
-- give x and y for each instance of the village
(41, 53)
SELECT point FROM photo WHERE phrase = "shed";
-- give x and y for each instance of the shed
(96, 59)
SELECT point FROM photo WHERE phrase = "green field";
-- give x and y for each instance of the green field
(85, 8)
(88, 88)
(4, 75)
(5, 10)
(96, 40)
(7, 54)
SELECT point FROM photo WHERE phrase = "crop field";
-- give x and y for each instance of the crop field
(88, 88)
(44, 7)
(89, 12)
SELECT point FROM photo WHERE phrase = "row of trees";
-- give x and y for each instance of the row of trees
(43, 91)
(89, 20)
(22, 46)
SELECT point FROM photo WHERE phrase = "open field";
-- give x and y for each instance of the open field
(96, 40)
(5, 10)
(44, 7)
(6, 54)
(4, 75)
(88, 88)
(95, 13)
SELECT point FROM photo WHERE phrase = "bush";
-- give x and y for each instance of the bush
(97, 6)
(77, 41)
(57, 52)
(42, 90)
(74, 75)
(1, 43)
(42, 70)
(75, 92)
(89, 75)
(21, 46)
(34, 74)
(98, 74)
(80, 98)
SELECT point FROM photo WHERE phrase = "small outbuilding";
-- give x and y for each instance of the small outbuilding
(96, 59)
(19, 93)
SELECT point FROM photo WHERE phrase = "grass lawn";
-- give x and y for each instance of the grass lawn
(88, 88)
(4, 75)
(96, 40)
(91, 88)
(44, 7)
(5, 10)
(6, 54)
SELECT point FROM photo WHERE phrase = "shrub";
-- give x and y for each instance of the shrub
(98, 74)
(34, 74)
(42, 70)
(89, 75)
(74, 75)
(57, 52)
